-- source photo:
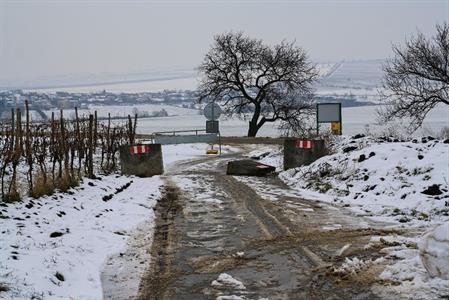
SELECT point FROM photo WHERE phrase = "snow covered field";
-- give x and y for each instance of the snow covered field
(125, 110)
(56, 247)
(355, 120)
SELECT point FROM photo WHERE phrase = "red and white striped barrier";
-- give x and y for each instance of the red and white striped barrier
(140, 149)
(304, 144)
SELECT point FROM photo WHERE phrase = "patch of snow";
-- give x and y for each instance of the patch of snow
(226, 280)
(409, 278)
(231, 297)
(434, 251)
(176, 153)
(268, 154)
(240, 254)
(352, 266)
(343, 249)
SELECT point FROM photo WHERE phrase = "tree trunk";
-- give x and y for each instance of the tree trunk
(253, 127)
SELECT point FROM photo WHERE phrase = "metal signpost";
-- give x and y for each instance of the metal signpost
(329, 113)
(212, 111)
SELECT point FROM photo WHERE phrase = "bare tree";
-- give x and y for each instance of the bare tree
(247, 76)
(417, 78)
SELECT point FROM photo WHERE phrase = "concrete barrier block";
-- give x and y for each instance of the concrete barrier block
(300, 152)
(141, 160)
(248, 167)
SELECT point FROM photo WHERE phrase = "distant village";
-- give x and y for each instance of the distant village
(41, 102)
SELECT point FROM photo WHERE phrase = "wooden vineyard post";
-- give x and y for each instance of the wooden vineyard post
(130, 130)
(95, 130)
(52, 146)
(90, 161)
(134, 128)
(79, 142)
(28, 152)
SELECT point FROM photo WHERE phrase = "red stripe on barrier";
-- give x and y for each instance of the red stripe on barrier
(304, 144)
(140, 149)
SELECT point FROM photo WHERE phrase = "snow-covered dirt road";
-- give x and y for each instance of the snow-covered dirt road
(226, 237)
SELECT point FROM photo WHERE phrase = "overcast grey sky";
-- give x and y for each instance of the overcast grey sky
(48, 38)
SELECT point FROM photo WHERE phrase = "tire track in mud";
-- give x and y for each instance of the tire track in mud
(282, 258)
(154, 283)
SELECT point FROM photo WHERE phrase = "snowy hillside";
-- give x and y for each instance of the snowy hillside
(394, 181)
(355, 74)
(405, 186)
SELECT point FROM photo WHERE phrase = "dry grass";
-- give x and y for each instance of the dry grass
(12, 195)
(66, 182)
(42, 186)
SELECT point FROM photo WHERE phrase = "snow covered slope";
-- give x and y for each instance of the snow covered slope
(55, 247)
(407, 182)
(402, 183)
(434, 251)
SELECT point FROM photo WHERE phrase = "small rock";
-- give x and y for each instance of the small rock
(432, 190)
(349, 149)
(371, 154)
(358, 136)
(362, 157)
(420, 156)
(56, 234)
(59, 276)
(108, 197)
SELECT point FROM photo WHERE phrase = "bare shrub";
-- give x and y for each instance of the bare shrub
(41, 186)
